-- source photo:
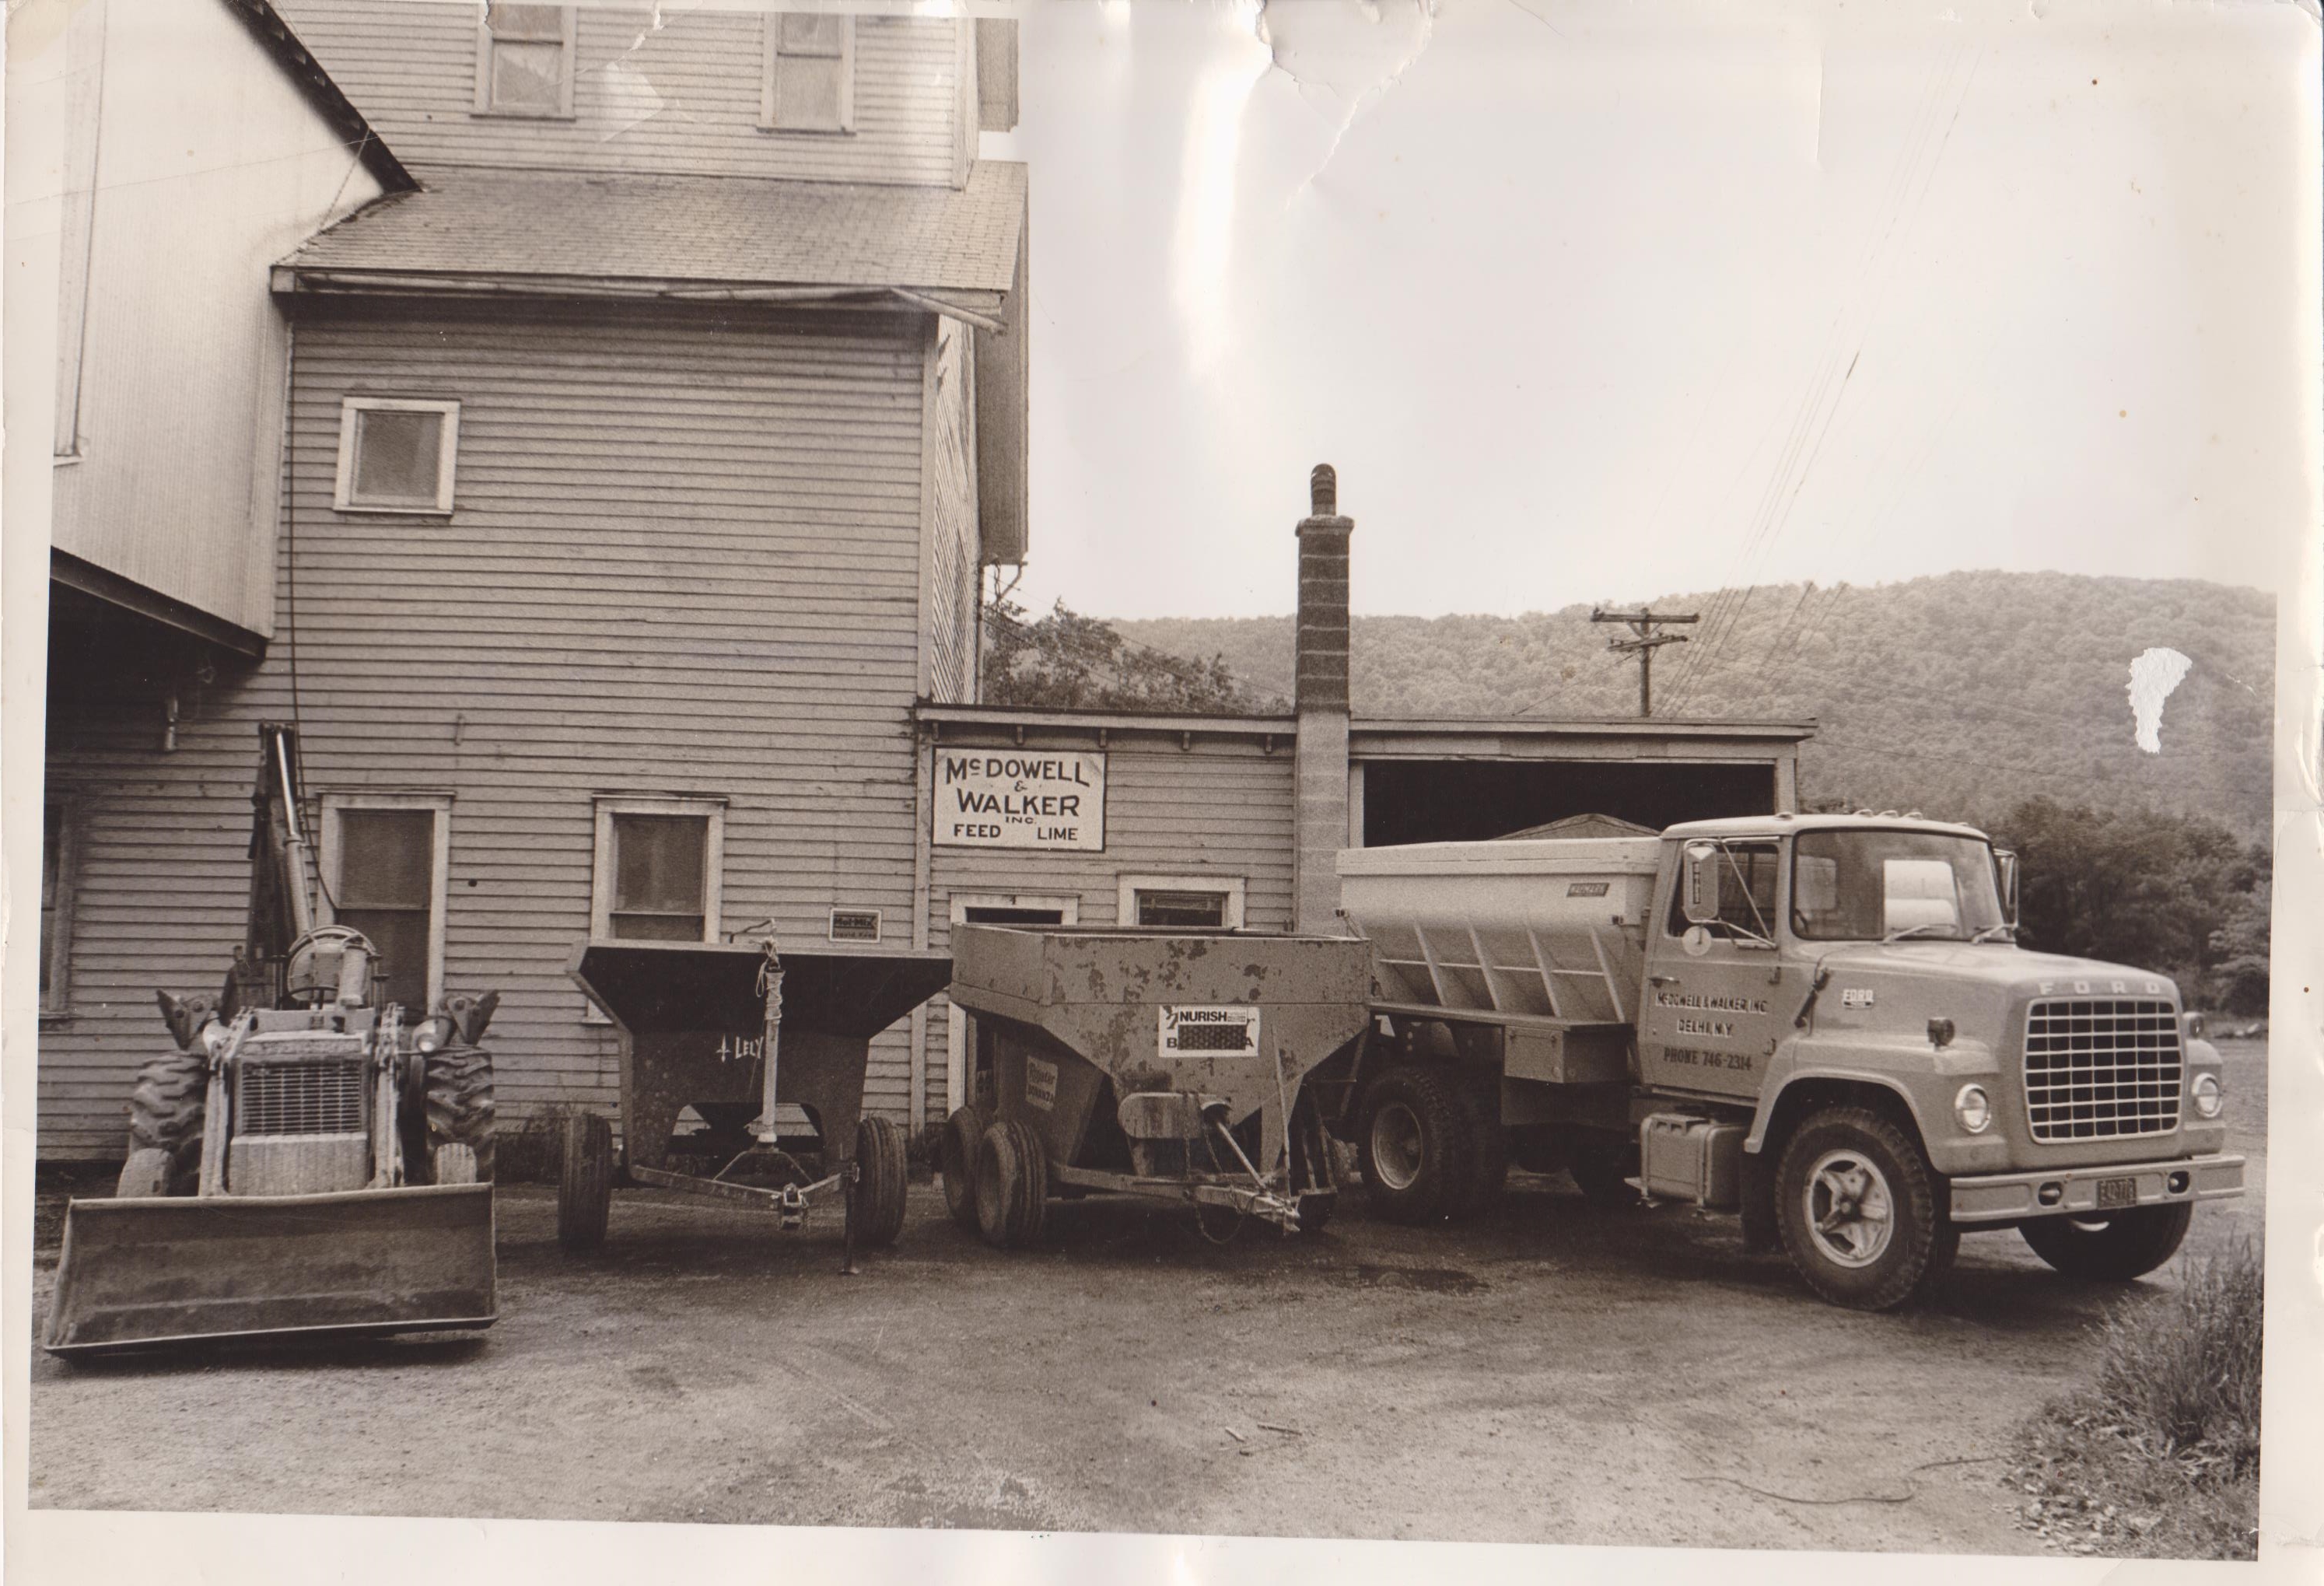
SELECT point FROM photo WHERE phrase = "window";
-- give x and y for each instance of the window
(56, 906)
(810, 79)
(387, 856)
(1183, 902)
(396, 455)
(1858, 886)
(658, 864)
(524, 60)
(1747, 892)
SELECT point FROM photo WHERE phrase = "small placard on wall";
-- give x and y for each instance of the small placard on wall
(854, 925)
(1041, 799)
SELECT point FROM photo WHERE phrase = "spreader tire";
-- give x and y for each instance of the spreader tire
(956, 1161)
(1415, 1146)
(165, 1115)
(1315, 1210)
(459, 1102)
(1012, 1182)
(1487, 1154)
(585, 1181)
(880, 1181)
(1602, 1165)
(1858, 1208)
(2115, 1249)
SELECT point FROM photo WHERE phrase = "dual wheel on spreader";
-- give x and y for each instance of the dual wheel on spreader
(996, 1177)
(585, 1173)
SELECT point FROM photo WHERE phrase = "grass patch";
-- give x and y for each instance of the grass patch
(2159, 1456)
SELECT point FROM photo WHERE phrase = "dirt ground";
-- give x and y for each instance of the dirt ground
(1551, 1373)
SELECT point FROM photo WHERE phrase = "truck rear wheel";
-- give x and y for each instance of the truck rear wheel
(1859, 1210)
(880, 1185)
(956, 1161)
(1415, 1145)
(1012, 1185)
(458, 1081)
(585, 1182)
(165, 1115)
(2114, 1249)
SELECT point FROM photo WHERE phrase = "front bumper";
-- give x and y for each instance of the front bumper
(2009, 1197)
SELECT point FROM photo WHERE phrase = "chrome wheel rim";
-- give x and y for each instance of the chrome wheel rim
(1396, 1145)
(1851, 1214)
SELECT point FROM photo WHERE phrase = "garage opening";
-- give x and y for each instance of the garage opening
(1465, 800)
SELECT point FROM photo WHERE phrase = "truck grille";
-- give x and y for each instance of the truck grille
(2099, 1068)
(318, 1096)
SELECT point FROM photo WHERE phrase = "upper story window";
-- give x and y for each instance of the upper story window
(396, 455)
(809, 80)
(524, 60)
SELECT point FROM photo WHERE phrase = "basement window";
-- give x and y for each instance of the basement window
(524, 61)
(396, 455)
(388, 859)
(1182, 902)
(808, 79)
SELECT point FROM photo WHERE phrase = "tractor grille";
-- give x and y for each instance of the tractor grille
(318, 1096)
(2098, 1068)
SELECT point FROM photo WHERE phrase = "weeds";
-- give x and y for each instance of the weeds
(2158, 1457)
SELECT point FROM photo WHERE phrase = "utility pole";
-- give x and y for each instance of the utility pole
(1643, 624)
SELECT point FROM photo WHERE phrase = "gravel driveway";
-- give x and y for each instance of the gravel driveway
(1551, 1373)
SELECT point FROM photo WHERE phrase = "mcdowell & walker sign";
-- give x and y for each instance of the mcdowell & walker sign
(1019, 798)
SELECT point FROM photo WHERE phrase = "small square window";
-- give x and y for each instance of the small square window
(396, 456)
(656, 873)
(524, 60)
(1182, 902)
(809, 73)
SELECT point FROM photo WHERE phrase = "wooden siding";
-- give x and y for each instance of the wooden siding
(954, 574)
(1220, 809)
(684, 559)
(682, 97)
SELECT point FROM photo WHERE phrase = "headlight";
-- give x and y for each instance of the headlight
(2204, 1091)
(430, 1034)
(1974, 1108)
(2192, 1024)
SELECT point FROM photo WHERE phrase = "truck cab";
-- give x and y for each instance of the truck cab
(1821, 1022)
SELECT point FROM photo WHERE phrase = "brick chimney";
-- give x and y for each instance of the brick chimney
(1321, 669)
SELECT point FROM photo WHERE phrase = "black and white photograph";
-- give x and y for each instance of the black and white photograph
(1181, 789)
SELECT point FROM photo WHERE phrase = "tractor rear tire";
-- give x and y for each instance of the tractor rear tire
(1415, 1145)
(963, 1131)
(880, 1181)
(165, 1115)
(585, 1182)
(459, 1100)
(1012, 1185)
(2127, 1245)
(146, 1175)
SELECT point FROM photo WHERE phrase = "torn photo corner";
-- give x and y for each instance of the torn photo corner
(1572, 802)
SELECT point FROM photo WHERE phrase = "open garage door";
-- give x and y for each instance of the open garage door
(1463, 800)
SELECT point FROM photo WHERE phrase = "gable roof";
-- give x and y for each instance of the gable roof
(558, 233)
(274, 35)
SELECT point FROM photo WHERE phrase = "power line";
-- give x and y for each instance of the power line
(1644, 625)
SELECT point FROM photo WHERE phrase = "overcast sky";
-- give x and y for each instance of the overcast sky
(1605, 300)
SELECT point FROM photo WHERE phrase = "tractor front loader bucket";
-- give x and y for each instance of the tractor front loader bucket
(162, 1269)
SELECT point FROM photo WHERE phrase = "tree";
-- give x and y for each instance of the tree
(1068, 661)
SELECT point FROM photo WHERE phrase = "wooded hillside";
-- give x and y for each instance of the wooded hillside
(1958, 696)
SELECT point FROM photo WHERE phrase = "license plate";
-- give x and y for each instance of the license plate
(2117, 1192)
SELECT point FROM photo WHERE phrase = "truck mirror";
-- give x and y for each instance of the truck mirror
(2004, 864)
(1699, 883)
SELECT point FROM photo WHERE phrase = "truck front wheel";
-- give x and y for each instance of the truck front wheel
(1859, 1211)
(2110, 1249)
(1413, 1144)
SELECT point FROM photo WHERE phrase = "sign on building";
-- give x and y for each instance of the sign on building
(1019, 798)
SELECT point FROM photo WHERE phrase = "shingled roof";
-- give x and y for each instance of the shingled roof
(597, 232)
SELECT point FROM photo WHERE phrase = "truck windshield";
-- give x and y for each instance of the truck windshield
(1862, 886)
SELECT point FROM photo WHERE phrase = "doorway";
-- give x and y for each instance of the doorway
(1025, 908)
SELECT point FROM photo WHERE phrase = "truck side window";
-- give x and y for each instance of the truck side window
(1747, 892)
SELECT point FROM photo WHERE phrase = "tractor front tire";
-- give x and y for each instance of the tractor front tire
(880, 1181)
(1012, 1185)
(1415, 1145)
(165, 1115)
(963, 1132)
(1859, 1209)
(146, 1175)
(459, 1085)
(2115, 1249)
(585, 1182)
